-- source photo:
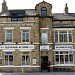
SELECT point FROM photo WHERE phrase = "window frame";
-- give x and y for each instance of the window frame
(64, 59)
(8, 55)
(17, 19)
(58, 33)
(43, 10)
(6, 35)
(25, 59)
(46, 34)
(22, 36)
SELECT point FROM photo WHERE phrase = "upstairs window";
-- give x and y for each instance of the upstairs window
(43, 11)
(17, 19)
(63, 36)
(17, 15)
(25, 36)
(8, 35)
(44, 36)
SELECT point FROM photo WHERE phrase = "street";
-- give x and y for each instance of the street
(41, 73)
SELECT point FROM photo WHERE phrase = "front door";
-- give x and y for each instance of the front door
(44, 62)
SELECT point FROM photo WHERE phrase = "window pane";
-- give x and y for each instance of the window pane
(20, 19)
(23, 60)
(43, 11)
(25, 36)
(25, 31)
(27, 60)
(65, 37)
(8, 35)
(57, 58)
(61, 58)
(11, 60)
(6, 60)
(56, 37)
(66, 58)
(13, 19)
(61, 37)
(70, 38)
(44, 37)
(8, 31)
(71, 58)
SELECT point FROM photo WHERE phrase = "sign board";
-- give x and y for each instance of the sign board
(63, 47)
(44, 47)
(16, 47)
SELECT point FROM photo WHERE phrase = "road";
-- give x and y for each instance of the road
(41, 73)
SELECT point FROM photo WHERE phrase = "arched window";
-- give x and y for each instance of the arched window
(43, 11)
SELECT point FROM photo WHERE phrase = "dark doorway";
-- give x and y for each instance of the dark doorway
(44, 62)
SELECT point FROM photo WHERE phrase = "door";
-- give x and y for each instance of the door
(44, 62)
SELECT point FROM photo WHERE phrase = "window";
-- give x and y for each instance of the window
(25, 35)
(8, 36)
(8, 58)
(0, 60)
(44, 11)
(44, 36)
(64, 57)
(63, 36)
(25, 59)
(17, 19)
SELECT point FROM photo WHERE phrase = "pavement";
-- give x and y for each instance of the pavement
(41, 73)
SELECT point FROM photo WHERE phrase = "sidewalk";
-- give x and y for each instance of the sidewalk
(41, 73)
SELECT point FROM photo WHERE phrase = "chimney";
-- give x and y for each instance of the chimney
(66, 9)
(4, 6)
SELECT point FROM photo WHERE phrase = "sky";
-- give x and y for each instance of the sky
(57, 5)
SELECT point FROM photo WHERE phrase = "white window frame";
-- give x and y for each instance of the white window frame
(46, 33)
(25, 59)
(8, 57)
(6, 33)
(22, 36)
(0, 53)
(69, 62)
(67, 36)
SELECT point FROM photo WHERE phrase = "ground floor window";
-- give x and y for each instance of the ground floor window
(25, 59)
(8, 58)
(64, 57)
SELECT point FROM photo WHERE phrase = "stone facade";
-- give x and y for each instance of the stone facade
(48, 38)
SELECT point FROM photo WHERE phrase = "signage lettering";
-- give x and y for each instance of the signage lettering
(16, 46)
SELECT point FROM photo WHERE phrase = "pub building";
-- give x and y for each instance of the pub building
(29, 38)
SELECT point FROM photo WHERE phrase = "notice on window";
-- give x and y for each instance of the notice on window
(34, 61)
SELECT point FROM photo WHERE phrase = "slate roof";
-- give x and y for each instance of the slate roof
(32, 12)
(62, 16)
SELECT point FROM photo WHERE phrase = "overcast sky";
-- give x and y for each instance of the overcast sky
(57, 5)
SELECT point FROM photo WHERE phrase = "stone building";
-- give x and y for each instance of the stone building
(30, 38)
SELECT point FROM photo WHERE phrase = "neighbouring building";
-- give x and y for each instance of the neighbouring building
(30, 38)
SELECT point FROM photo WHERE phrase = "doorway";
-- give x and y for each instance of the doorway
(44, 62)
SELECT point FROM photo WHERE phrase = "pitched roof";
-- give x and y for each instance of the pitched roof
(62, 16)
(30, 12)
